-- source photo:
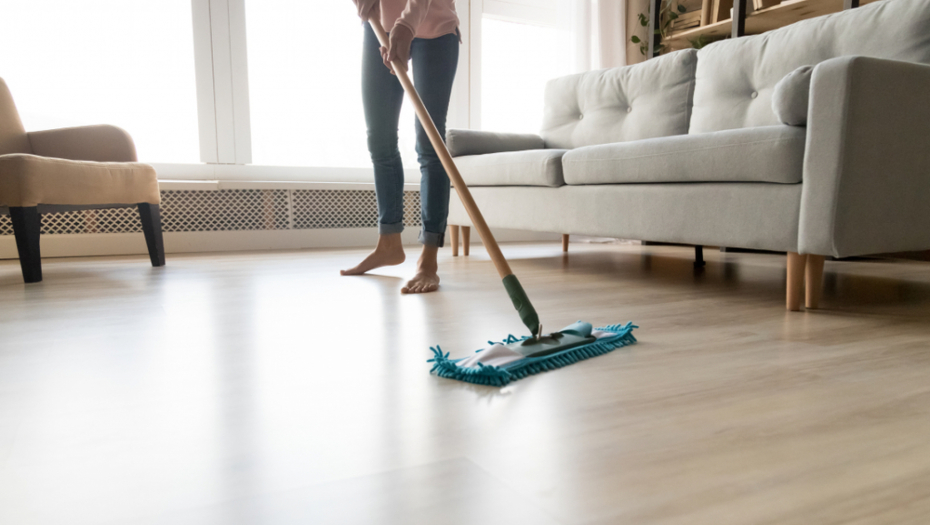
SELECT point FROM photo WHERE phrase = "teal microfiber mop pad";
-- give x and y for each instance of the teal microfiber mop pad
(515, 358)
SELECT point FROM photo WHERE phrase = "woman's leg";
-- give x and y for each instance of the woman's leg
(434, 64)
(382, 97)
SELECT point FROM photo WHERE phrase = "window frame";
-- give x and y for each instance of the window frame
(222, 74)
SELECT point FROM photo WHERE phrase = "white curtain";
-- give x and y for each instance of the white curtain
(599, 30)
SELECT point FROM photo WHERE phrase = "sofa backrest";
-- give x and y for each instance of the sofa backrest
(736, 78)
(13, 137)
(647, 100)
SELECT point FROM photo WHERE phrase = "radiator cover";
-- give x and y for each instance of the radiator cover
(234, 210)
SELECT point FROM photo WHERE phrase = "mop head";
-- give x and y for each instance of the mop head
(515, 358)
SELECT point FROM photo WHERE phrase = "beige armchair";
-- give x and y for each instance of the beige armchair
(89, 167)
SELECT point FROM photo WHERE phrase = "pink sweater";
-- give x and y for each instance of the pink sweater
(425, 18)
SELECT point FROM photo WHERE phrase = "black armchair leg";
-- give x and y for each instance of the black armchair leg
(26, 225)
(151, 226)
(699, 256)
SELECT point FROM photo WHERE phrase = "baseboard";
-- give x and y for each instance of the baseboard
(93, 244)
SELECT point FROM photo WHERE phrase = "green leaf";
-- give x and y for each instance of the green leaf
(643, 20)
(681, 8)
(635, 39)
(672, 16)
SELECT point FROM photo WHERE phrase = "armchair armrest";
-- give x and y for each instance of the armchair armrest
(101, 143)
(463, 142)
(866, 185)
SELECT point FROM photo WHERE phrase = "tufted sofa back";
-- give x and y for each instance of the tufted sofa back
(736, 78)
(13, 138)
(647, 100)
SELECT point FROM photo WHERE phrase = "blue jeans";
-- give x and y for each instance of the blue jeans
(434, 64)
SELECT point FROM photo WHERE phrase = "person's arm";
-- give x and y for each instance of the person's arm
(365, 8)
(404, 31)
(414, 15)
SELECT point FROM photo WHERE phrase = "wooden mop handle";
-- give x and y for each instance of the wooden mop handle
(400, 69)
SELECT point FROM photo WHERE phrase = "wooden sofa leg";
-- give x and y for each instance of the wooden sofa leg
(813, 279)
(466, 239)
(151, 227)
(565, 242)
(699, 256)
(796, 263)
(454, 234)
(27, 222)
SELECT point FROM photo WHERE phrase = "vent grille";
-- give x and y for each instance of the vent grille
(224, 210)
(345, 209)
(114, 220)
(334, 209)
(234, 210)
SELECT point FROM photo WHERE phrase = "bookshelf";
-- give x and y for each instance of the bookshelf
(716, 23)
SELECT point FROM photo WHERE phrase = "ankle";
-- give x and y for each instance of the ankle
(390, 242)
(429, 258)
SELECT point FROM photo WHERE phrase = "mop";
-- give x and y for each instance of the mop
(514, 357)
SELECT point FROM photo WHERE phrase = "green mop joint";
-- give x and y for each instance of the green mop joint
(522, 303)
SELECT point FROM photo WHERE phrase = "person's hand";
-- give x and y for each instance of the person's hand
(398, 47)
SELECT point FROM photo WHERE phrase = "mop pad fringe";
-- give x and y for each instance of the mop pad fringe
(622, 335)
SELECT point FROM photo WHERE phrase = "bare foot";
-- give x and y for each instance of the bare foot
(422, 282)
(388, 252)
(427, 277)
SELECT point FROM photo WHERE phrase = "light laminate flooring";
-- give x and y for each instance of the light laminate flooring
(263, 388)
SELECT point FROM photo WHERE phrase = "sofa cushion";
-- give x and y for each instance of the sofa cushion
(650, 99)
(463, 142)
(28, 180)
(540, 167)
(766, 154)
(736, 77)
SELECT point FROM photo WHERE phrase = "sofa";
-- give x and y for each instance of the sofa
(813, 139)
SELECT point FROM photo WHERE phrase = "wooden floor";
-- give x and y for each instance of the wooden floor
(263, 388)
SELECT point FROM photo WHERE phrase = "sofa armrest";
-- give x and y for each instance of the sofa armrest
(866, 186)
(463, 142)
(101, 143)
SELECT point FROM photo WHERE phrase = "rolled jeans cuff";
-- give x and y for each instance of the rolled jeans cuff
(385, 229)
(432, 238)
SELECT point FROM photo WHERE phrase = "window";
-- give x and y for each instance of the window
(305, 86)
(517, 60)
(130, 64)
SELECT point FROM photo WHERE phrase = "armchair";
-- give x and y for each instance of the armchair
(89, 167)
